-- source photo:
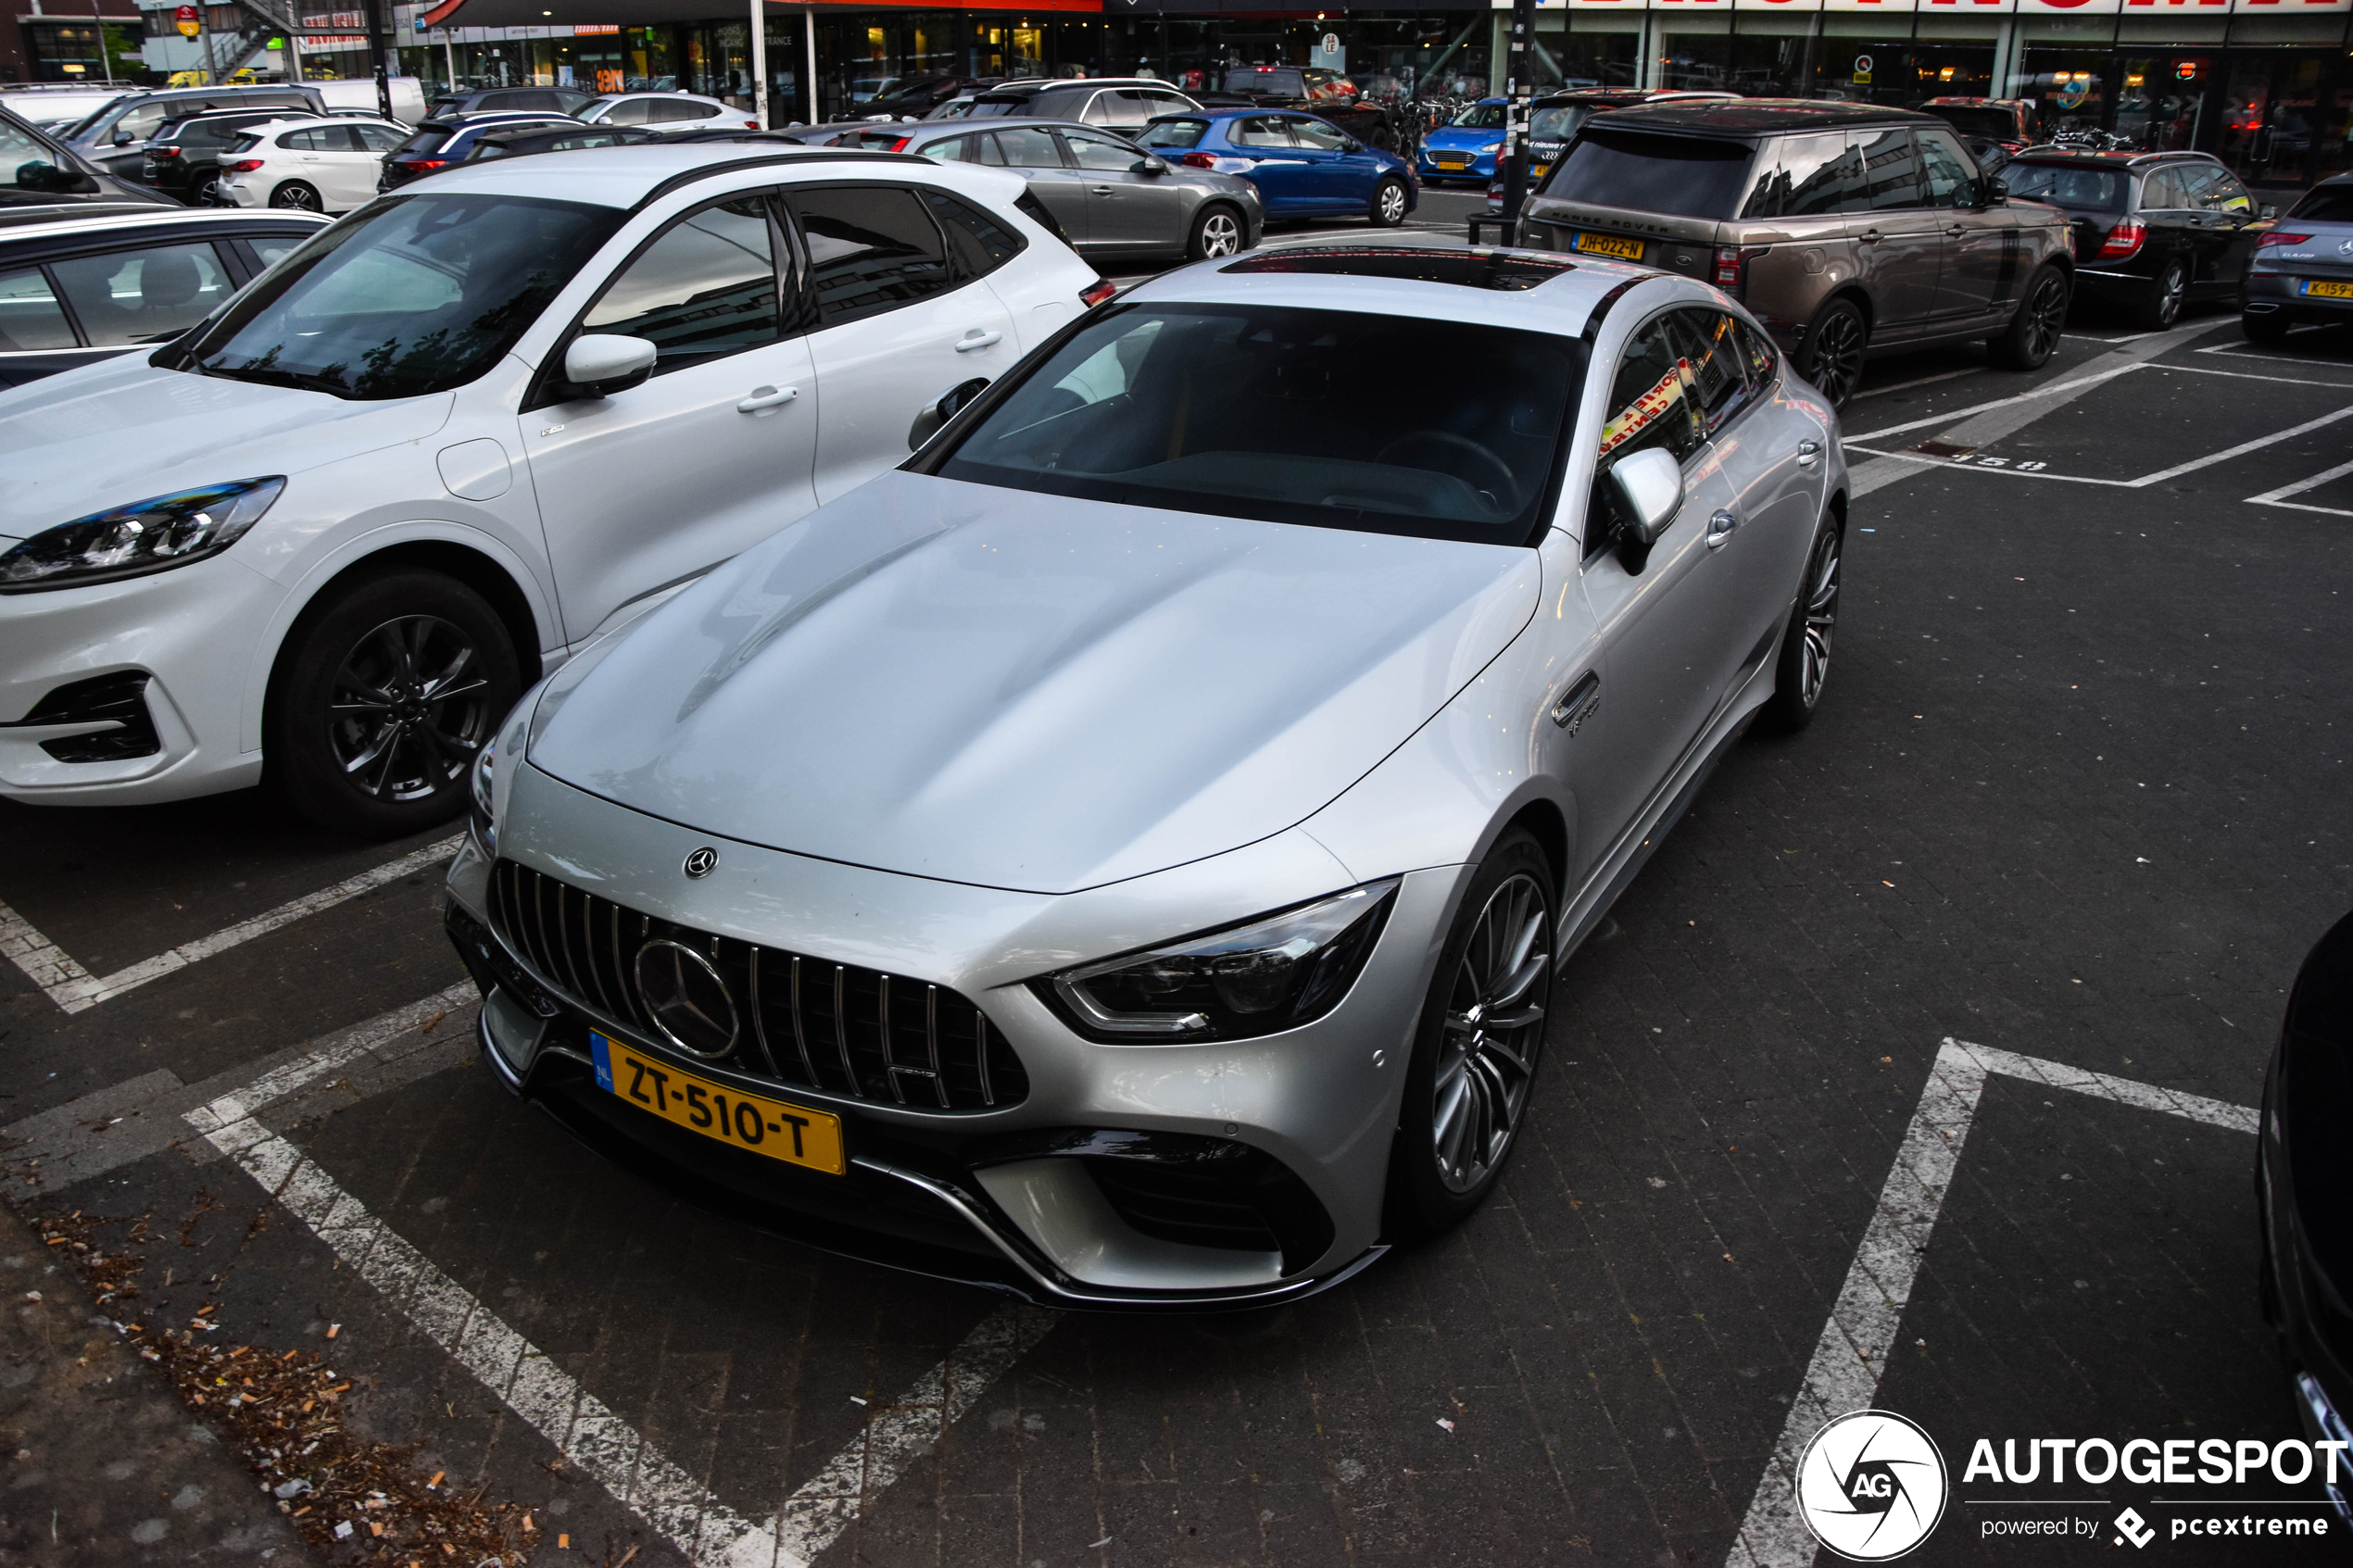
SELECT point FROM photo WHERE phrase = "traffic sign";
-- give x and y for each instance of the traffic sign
(186, 18)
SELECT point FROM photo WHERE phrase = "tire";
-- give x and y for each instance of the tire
(2032, 336)
(1486, 1080)
(1388, 209)
(2162, 307)
(1217, 231)
(382, 695)
(1805, 660)
(1831, 355)
(2270, 327)
(298, 194)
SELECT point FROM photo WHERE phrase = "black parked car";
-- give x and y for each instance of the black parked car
(442, 144)
(82, 287)
(529, 140)
(2303, 1169)
(116, 137)
(2152, 231)
(509, 100)
(183, 157)
(917, 97)
(2302, 270)
(37, 170)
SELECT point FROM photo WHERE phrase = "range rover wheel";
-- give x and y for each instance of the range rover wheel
(1831, 356)
(298, 196)
(2033, 333)
(383, 694)
(1481, 1037)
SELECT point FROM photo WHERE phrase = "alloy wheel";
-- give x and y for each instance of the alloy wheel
(300, 197)
(1836, 354)
(1822, 619)
(2171, 289)
(1494, 1030)
(409, 709)
(1220, 235)
(2046, 318)
(1393, 201)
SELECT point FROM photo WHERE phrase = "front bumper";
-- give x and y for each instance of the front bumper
(1480, 166)
(1063, 1198)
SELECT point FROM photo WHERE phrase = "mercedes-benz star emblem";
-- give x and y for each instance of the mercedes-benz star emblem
(702, 862)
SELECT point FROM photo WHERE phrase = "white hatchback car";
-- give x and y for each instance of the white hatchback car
(668, 114)
(338, 528)
(314, 164)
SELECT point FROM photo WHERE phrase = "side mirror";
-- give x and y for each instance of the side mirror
(935, 414)
(603, 363)
(2269, 212)
(1647, 488)
(1147, 166)
(46, 177)
(122, 138)
(1994, 191)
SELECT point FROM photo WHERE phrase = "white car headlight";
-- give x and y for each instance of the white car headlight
(1277, 973)
(150, 535)
(484, 778)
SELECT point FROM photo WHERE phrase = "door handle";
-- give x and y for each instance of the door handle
(1958, 229)
(1098, 190)
(767, 398)
(1808, 452)
(1719, 530)
(1869, 237)
(976, 339)
(1571, 711)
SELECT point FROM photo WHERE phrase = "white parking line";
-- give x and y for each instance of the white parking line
(2144, 481)
(74, 988)
(1924, 381)
(1950, 415)
(1852, 1352)
(2280, 497)
(584, 1429)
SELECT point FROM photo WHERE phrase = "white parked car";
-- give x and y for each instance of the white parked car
(668, 114)
(315, 164)
(333, 533)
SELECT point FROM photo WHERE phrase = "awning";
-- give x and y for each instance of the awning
(657, 13)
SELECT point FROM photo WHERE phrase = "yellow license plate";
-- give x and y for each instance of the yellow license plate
(1608, 244)
(2328, 291)
(1538, 171)
(793, 1134)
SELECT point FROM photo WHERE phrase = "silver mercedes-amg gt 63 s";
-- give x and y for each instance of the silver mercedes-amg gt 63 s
(1122, 856)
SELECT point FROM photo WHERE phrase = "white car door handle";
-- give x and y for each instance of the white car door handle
(767, 398)
(1719, 530)
(978, 339)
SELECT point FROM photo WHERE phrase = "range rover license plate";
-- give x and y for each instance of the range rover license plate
(1607, 244)
(2327, 290)
(793, 1134)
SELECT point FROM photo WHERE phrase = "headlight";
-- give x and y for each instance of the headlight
(149, 535)
(1274, 974)
(483, 776)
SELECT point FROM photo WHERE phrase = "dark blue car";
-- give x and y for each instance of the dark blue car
(1303, 166)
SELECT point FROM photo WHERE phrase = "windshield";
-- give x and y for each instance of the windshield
(1999, 124)
(2064, 184)
(1682, 176)
(427, 138)
(988, 109)
(1174, 133)
(417, 294)
(2325, 204)
(1558, 123)
(1482, 117)
(88, 122)
(126, 117)
(1257, 411)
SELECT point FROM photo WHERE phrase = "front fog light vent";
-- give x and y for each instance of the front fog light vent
(798, 1021)
(116, 706)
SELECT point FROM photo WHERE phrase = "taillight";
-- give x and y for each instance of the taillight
(2276, 238)
(1198, 160)
(163, 152)
(901, 144)
(242, 166)
(751, 125)
(2125, 239)
(1732, 267)
(423, 164)
(1097, 292)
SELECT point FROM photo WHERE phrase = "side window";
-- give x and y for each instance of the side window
(1029, 148)
(268, 250)
(31, 316)
(2213, 188)
(377, 138)
(1316, 133)
(705, 288)
(1652, 402)
(2161, 191)
(1757, 354)
(1818, 175)
(630, 111)
(146, 296)
(17, 149)
(872, 248)
(1888, 165)
(1717, 379)
(1097, 152)
(1952, 178)
(982, 245)
(300, 141)
(669, 110)
(1261, 130)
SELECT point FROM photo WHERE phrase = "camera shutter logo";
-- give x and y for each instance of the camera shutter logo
(1871, 1486)
(702, 862)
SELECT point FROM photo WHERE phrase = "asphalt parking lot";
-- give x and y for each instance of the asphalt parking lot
(2009, 928)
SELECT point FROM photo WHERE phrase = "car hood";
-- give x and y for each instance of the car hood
(1030, 691)
(1458, 136)
(121, 431)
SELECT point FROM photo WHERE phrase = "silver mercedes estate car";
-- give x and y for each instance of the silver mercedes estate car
(1122, 856)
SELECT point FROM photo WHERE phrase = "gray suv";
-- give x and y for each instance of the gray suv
(1847, 230)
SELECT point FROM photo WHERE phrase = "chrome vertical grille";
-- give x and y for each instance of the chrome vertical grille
(839, 1028)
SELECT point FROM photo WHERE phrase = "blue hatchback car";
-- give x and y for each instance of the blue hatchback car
(1467, 149)
(1303, 166)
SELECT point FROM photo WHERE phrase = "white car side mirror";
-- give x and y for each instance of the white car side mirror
(603, 363)
(1648, 488)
